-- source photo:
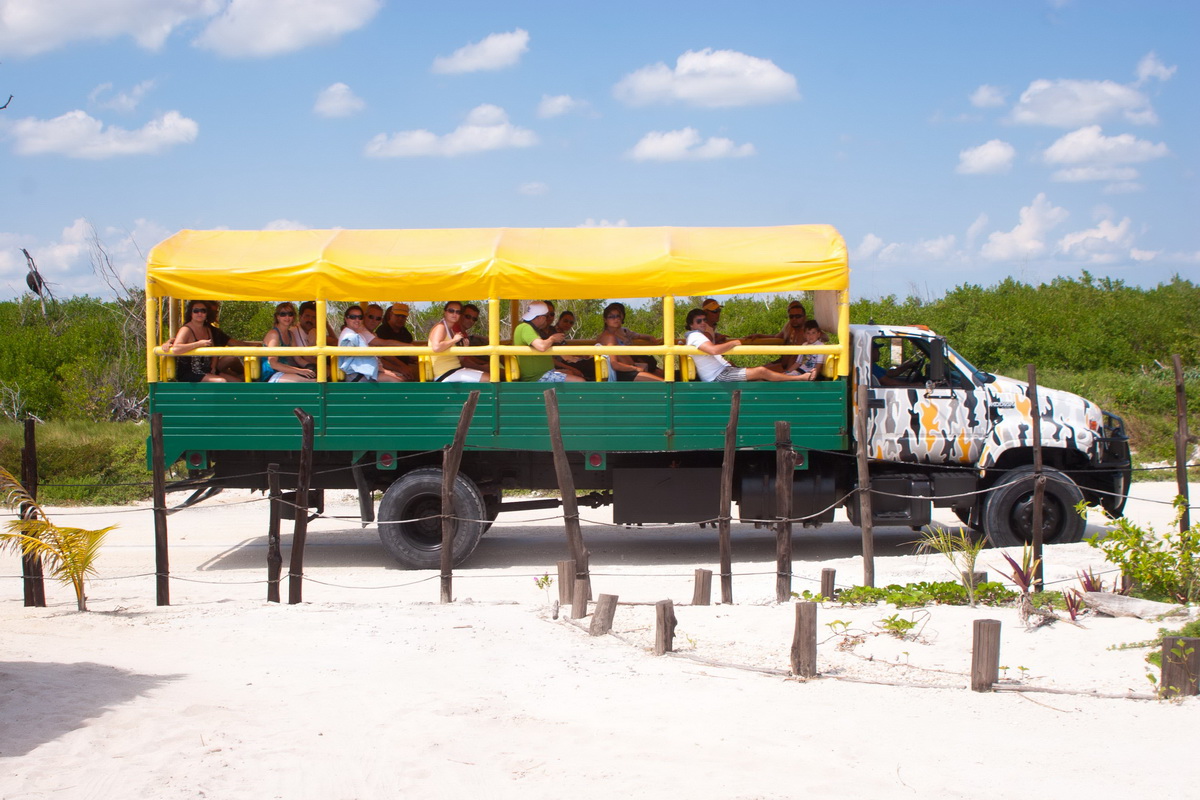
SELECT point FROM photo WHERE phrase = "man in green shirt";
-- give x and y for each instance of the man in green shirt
(538, 368)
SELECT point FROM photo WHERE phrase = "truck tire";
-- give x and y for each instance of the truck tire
(1008, 512)
(410, 525)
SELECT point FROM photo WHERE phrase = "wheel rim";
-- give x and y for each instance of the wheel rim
(1021, 518)
(425, 532)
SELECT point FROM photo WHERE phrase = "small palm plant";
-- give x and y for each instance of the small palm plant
(68, 554)
(960, 549)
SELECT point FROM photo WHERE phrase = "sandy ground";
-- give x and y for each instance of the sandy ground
(372, 689)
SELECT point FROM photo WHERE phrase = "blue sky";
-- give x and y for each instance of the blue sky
(950, 142)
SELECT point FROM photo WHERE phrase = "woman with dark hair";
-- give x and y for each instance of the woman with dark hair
(194, 334)
(282, 369)
(615, 334)
(442, 339)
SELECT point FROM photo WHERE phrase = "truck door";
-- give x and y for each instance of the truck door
(910, 418)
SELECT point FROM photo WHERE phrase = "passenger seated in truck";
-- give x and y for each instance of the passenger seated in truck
(392, 331)
(443, 336)
(808, 365)
(906, 373)
(712, 366)
(360, 368)
(626, 368)
(713, 310)
(539, 368)
(791, 334)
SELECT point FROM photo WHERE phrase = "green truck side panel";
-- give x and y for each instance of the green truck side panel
(423, 416)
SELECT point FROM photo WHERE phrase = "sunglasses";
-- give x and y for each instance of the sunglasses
(614, 316)
(471, 317)
(200, 310)
(453, 310)
(354, 316)
(285, 313)
(797, 316)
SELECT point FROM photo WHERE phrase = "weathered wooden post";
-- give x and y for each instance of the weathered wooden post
(865, 514)
(162, 569)
(579, 600)
(726, 498)
(804, 641)
(300, 532)
(31, 566)
(1039, 479)
(785, 465)
(664, 629)
(274, 556)
(566, 581)
(566, 487)
(985, 654)
(1180, 666)
(602, 617)
(702, 594)
(451, 459)
(827, 579)
(1181, 442)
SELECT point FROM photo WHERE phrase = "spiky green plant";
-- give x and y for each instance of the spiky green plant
(960, 549)
(67, 554)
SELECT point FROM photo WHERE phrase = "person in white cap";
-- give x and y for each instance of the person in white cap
(538, 368)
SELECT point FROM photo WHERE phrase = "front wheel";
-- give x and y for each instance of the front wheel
(410, 524)
(1008, 511)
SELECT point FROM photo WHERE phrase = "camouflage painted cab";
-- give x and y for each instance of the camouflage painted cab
(965, 437)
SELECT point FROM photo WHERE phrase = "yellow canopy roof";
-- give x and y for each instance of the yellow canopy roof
(510, 263)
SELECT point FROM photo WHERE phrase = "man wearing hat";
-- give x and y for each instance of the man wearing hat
(538, 368)
(712, 309)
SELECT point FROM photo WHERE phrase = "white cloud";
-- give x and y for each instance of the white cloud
(497, 51)
(284, 225)
(686, 145)
(259, 28)
(1094, 173)
(1027, 239)
(1102, 244)
(1151, 67)
(988, 158)
(603, 223)
(988, 96)
(869, 247)
(486, 128)
(976, 228)
(1124, 187)
(78, 135)
(121, 101)
(559, 104)
(338, 100)
(28, 27)
(1090, 146)
(1143, 255)
(533, 188)
(709, 79)
(1068, 103)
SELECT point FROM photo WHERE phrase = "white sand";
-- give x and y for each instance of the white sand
(372, 689)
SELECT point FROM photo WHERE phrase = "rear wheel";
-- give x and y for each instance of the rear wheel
(1008, 512)
(410, 524)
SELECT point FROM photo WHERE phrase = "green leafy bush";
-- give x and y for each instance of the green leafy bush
(1164, 567)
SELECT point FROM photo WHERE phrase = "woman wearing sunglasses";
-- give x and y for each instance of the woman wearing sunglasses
(442, 338)
(194, 333)
(282, 369)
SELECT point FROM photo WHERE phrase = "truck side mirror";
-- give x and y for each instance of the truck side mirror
(937, 362)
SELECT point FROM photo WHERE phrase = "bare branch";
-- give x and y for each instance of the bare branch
(6, 102)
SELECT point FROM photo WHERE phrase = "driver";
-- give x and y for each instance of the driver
(904, 374)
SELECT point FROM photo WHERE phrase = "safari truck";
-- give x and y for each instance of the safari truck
(940, 432)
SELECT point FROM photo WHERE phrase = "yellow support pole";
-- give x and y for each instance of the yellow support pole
(668, 314)
(322, 362)
(844, 332)
(493, 339)
(151, 339)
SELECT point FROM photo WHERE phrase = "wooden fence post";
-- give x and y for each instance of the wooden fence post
(451, 459)
(866, 516)
(300, 532)
(566, 487)
(804, 641)
(1039, 479)
(1181, 442)
(726, 498)
(702, 594)
(664, 629)
(785, 465)
(162, 568)
(602, 617)
(274, 557)
(1180, 666)
(827, 579)
(566, 582)
(33, 579)
(985, 654)
(579, 600)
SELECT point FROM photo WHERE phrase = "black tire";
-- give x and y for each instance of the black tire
(492, 507)
(964, 516)
(1008, 512)
(417, 496)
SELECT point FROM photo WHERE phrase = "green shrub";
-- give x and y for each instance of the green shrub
(1163, 567)
(83, 462)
